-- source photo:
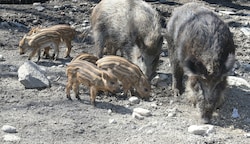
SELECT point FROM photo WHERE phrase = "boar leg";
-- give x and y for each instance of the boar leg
(99, 43)
(76, 89)
(69, 87)
(177, 77)
(69, 46)
(46, 52)
(32, 53)
(93, 92)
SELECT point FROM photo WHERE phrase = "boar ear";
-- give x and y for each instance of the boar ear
(229, 63)
(195, 66)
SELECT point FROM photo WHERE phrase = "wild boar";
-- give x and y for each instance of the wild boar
(129, 74)
(66, 32)
(40, 41)
(85, 56)
(131, 26)
(201, 46)
(86, 73)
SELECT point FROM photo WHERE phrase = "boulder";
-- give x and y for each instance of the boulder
(32, 76)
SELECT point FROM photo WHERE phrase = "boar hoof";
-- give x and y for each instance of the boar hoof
(69, 98)
(93, 103)
(78, 98)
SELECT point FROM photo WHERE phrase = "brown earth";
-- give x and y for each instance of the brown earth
(47, 116)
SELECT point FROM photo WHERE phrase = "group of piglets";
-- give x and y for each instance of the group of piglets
(104, 75)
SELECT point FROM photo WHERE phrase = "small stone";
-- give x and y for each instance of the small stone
(137, 116)
(9, 129)
(171, 114)
(142, 111)
(112, 121)
(109, 111)
(246, 31)
(36, 4)
(201, 129)
(235, 113)
(134, 100)
(1, 58)
(60, 66)
(40, 8)
(232, 80)
(154, 105)
(247, 135)
(11, 138)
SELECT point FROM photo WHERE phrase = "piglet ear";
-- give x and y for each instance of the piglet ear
(229, 63)
(195, 67)
(104, 75)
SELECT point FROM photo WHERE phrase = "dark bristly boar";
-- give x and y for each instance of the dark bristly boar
(128, 73)
(201, 46)
(86, 73)
(131, 26)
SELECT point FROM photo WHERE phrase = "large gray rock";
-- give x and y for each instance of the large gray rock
(32, 76)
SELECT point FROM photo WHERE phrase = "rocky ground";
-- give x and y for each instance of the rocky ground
(47, 116)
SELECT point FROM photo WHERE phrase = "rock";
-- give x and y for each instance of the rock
(201, 129)
(137, 116)
(232, 80)
(109, 111)
(32, 76)
(235, 113)
(227, 12)
(112, 121)
(171, 114)
(246, 31)
(2, 58)
(9, 129)
(36, 4)
(134, 100)
(143, 112)
(247, 135)
(11, 138)
(40, 8)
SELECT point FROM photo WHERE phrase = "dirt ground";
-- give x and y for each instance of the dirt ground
(48, 117)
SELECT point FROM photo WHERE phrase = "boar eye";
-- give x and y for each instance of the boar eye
(145, 89)
(112, 83)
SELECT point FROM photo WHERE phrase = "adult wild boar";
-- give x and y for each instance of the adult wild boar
(131, 26)
(201, 46)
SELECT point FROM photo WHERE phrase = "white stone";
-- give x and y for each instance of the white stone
(112, 121)
(60, 66)
(142, 111)
(171, 114)
(11, 138)
(227, 12)
(1, 58)
(201, 129)
(40, 8)
(235, 113)
(36, 4)
(246, 31)
(154, 105)
(137, 116)
(232, 80)
(247, 135)
(9, 129)
(109, 111)
(32, 76)
(134, 100)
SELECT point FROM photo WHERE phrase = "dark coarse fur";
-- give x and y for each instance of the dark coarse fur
(201, 46)
(124, 24)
